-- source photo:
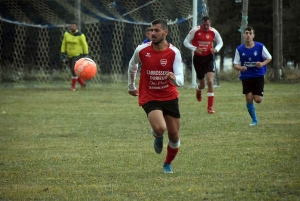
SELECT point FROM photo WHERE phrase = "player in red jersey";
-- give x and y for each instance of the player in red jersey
(200, 41)
(161, 74)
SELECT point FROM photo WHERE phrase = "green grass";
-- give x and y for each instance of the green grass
(96, 145)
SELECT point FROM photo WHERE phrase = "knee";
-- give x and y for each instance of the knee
(158, 130)
(209, 82)
(173, 136)
(258, 99)
(202, 84)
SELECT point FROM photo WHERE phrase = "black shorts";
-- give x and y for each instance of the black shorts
(72, 61)
(203, 65)
(254, 85)
(170, 108)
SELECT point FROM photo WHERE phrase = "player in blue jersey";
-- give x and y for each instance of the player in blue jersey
(251, 59)
(148, 35)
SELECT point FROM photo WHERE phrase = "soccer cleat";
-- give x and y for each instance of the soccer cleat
(253, 123)
(210, 111)
(167, 168)
(198, 95)
(158, 144)
(72, 89)
(83, 86)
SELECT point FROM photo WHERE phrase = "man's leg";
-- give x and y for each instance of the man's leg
(81, 82)
(158, 127)
(200, 86)
(173, 125)
(210, 92)
(197, 60)
(74, 77)
(73, 83)
(251, 109)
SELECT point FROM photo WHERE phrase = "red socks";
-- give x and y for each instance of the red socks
(81, 81)
(73, 82)
(171, 154)
(210, 99)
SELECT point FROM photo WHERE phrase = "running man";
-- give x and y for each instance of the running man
(161, 74)
(200, 41)
(251, 59)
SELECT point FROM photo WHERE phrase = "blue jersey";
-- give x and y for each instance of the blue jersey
(146, 40)
(248, 57)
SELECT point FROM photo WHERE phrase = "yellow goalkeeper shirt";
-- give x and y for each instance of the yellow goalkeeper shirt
(74, 44)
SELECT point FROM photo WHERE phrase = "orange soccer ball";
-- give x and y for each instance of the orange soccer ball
(85, 68)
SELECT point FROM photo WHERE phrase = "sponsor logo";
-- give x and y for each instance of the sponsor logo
(148, 54)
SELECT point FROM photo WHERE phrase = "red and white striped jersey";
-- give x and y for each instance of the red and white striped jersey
(203, 39)
(154, 84)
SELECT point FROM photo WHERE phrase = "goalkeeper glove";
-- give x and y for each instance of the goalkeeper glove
(63, 56)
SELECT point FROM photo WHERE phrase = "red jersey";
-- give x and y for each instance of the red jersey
(154, 84)
(203, 39)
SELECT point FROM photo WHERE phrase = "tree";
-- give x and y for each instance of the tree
(291, 30)
(277, 36)
(227, 22)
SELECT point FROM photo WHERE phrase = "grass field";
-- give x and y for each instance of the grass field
(96, 145)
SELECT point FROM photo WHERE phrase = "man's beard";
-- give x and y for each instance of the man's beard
(156, 43)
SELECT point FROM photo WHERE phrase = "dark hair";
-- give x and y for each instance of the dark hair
(205, 18)
(73, 22)
(148, 29)
(163, 23)
(249, 28)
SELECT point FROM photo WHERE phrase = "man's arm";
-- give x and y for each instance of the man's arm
(132, 70)
(85, 47)
(177, 78)
(237, 62)
(63, 44)
(267, 56)
(188, 39)
(218, 40)
(63, 52)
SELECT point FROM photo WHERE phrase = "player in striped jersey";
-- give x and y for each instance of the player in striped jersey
(161, 74)
(200, 41)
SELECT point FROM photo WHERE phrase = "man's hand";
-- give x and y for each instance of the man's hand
(171, 76)
(213, 50)
(134, 93)
(243, 68)
(198, 50)
(63, 57)
(85, 56)
(259, 64)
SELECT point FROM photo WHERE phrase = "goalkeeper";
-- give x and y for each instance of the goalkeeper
(73, 47)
